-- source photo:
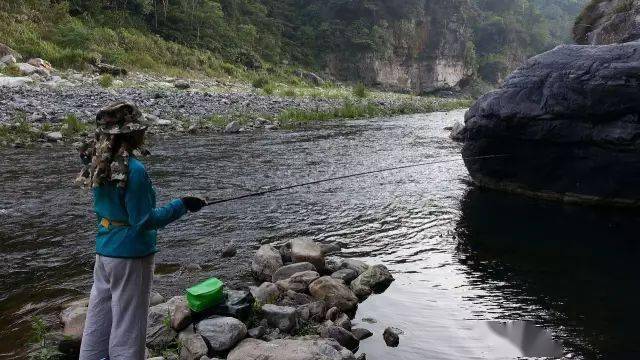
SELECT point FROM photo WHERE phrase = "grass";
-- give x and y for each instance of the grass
(260, 82)
(72, 126)
(105, 80)
(360, 91)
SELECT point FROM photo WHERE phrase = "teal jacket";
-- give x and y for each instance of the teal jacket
(134, 208)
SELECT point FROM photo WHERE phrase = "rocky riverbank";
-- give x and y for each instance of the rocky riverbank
(301, 310)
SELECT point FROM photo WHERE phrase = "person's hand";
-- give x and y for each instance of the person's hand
(193, 204)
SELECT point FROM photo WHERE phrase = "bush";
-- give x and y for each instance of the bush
(71, 126)
(105, 80)
(360, 91)
(260, 82)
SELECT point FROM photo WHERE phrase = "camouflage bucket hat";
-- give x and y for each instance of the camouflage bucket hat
(120, 118)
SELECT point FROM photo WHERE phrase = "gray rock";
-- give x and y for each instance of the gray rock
(377, 278)
(285, 253)
(334, 293)
(286, 271)
(11, 82)
(8, 59)
(332, 264)
(362, 356)
(155, 299)
(346, 275)
(73, 319)
(342, 336)
(282, 317)
(181, 317)
(28, 69)
(298, 282)
(53, 136)
(192, 347)
(312, 311)
(256, 332)
(229, 251)
(266, 262)
(391, 336)
(159, 332)
(332, 314)
(458, 132)
(356, 265)
(562, 117)
(361, 333)
(182, 84)
(288, 349)
(232, 127)
(237, 304)
(306, 250)
(292, 298)
(343, 321)
(222, 333)
(266, 293)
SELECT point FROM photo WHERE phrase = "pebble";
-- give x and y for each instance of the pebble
(229, 250)
(391, 336)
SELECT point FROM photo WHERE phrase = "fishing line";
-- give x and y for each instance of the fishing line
(264, 192)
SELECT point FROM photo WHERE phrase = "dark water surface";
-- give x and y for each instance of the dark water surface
(479, 275)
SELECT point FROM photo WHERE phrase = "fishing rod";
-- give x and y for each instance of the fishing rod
(264, 192)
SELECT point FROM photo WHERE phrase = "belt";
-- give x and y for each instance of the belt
(106, 223)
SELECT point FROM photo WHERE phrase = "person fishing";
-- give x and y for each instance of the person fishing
(128, 220)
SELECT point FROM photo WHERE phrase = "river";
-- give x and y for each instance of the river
(479, 275)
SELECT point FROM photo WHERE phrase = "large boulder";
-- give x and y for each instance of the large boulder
(283, 318)
(341, 335)
(222, 333)
(266, 293)
(289, 349)
(192, 346)
(11, 82)
(298, 282)
(286, 271)
(564, 126)
(237, 304)
(376, 279)
(159, 332)
(306, 250)
(265, 262)
(334, 293)
(358, 266)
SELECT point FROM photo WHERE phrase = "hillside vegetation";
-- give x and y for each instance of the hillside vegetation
(240, 37)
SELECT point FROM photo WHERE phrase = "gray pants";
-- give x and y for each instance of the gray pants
(116, 323)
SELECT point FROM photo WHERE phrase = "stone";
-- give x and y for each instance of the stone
(356, 265)
(298, 282)
(53, 136)
(292, 298)
(229, 250)
(286, 271)
(28, 69)
(256, 332)
(192, 347)
(266, 293)
(361, 333)
(332, 248)
(289, 349)
(232, 127)
(377, 279)
(334, 293)
(343, 321)
(6, 50)
(182, 84)
(560, 119)
(332, 264)
(285, 253)
(222, 333)
(283, 318)
(346, 275)
(11, 82)
(159, 332)
(155, 299)
(73, 319)
(41, 64)
(306, 250)
(266, 262)
(181, 317)
(312, 311)
(608, 22)
(103, 68)
(391, 336)
(333, 313)
(342, 336)
(457, 132)
(362, 356)
(237, 304)
(8, 60)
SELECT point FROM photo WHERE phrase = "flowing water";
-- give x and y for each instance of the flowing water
(479, 275)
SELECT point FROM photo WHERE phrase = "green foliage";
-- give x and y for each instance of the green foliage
(268, 88)
(12, 70)
(260, 82)
(72, 126)
(38, 330)
(289, 92)
(105, 80)
(360, 90)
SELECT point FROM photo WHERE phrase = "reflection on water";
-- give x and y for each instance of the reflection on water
(462, 258)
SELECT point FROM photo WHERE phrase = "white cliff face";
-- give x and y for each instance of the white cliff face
(426, 53)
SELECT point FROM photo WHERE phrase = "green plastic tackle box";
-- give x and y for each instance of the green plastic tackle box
(205, 295)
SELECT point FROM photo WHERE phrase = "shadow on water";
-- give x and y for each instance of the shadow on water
(576, 263)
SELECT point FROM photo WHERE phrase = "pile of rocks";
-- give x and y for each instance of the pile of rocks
(301, 310)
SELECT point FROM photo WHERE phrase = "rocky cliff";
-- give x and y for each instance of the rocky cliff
(425, 51)
(568, 123)
(608, 22)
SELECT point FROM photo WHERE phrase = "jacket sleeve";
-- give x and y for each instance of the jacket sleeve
(139, 201)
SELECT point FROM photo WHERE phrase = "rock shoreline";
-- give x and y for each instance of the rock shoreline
(300, 308)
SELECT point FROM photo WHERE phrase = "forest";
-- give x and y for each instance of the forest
(223, 36)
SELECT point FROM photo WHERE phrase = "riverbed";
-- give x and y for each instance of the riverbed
(479, 275)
